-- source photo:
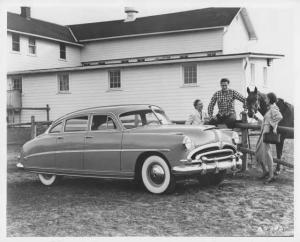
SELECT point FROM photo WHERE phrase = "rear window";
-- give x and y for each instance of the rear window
(79, 123)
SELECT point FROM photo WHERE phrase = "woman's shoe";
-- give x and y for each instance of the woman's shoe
(269, 180)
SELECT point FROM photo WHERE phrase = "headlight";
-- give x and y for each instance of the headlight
(235, 138)
(189, 144)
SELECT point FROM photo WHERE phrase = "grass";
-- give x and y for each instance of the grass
(241, 206)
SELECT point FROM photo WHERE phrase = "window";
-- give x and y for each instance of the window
(15, 42)
(265, 76)
(138, 118)
(190, 74)
(31, 46)
(252, 67)
(63, 83)
(76, 124)
(62, 51)
(102, 122)
(17, 83)
(114, 79)
(57, 128)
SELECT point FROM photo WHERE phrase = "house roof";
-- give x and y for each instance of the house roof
(17, 23)
(206, 18)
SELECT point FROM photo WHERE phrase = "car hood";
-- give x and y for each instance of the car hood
(200, 134)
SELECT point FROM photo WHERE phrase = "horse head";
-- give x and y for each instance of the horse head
(252, 102)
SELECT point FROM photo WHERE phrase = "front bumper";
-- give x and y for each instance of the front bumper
(203, 168)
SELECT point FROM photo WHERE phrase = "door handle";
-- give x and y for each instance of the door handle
(89, 137)
(60, 137)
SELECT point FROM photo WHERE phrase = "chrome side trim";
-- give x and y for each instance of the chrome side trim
(84, 175)
(94, 150)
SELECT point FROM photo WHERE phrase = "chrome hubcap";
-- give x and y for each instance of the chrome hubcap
(47, 176)
(157, 174)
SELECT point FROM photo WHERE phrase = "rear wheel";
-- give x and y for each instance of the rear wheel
(156, 175)
(48, 179)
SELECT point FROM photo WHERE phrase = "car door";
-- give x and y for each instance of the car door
(103, 146)
(70, 145)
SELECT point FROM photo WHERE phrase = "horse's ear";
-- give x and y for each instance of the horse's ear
(248, 90)
(255, 90)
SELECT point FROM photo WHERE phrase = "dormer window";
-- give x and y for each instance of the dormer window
(15, 42)
(62, 51)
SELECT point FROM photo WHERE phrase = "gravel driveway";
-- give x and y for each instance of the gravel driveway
(241, 206)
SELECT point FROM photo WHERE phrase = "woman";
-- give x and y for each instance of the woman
(199, 116)
(263, 150)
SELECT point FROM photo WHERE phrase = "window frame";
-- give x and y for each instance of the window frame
(265, 76)
(110, 87)
(107, 117)
(59, 82)
(184, 66)
(62, 128)
(74, 117)
(14, 80)
(62, 51)
(32, 45)
(252, 73)
(18, 42)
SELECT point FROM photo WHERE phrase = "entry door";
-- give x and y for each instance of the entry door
(103, 146)
(69, 155)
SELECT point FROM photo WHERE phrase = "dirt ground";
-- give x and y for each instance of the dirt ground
(241, 206)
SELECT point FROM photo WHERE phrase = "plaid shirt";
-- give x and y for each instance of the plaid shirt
(225, 101)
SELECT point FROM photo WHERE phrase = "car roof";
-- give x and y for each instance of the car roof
(116, 109)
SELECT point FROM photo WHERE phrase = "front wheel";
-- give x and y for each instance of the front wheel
(156, 175)
(48, 179)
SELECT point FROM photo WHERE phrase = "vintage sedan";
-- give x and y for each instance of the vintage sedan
(136, 142)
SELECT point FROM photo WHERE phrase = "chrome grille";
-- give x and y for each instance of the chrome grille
(214, 153)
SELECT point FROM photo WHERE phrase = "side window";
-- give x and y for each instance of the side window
(63, 83)
(131, 120)
(62, 51)
(102, 122)
(79, 123)
(190, 74)
(114, 79)
(15, 42)
(57, 128)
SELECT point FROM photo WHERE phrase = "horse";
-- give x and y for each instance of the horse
(256, 102)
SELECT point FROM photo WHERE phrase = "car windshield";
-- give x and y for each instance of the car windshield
(152, 116)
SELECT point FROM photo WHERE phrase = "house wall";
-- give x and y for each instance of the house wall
(153, 45)
(258, 79)
(236, 38)
(160, 84)
(47, 55)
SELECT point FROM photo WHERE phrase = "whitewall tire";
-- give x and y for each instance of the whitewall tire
(156, 175)
(47, 179)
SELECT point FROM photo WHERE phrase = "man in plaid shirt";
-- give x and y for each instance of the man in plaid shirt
(225, 100)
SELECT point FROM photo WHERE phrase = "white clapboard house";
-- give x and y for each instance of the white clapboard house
(166, 60)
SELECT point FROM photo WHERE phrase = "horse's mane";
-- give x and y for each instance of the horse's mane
(262, 102)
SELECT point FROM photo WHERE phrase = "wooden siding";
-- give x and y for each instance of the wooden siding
(47, 55)
(153, 45)
(236, 39)
(259, 76)
(160, 85)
